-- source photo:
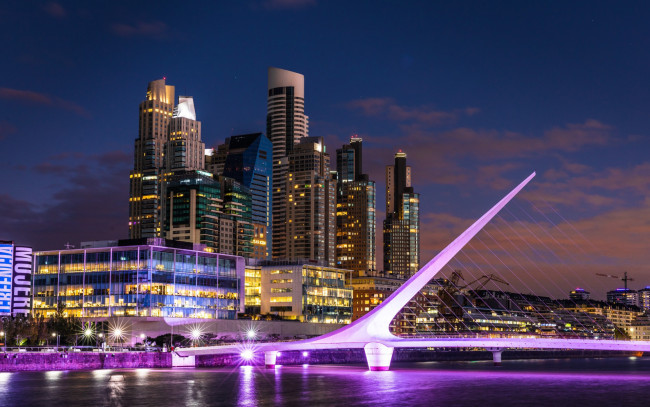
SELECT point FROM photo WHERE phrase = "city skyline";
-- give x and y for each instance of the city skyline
(471, 119)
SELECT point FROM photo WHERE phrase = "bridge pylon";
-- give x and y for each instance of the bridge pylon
(270, 358)
(496, 355)
(378, 356)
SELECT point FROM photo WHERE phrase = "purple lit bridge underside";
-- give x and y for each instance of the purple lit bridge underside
(371, 332)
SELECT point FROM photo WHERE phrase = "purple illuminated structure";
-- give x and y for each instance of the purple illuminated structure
(371, 332)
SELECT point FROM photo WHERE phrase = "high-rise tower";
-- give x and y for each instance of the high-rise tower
(146, 178)
(355, 212)
(169, 143)
(247, 158)
(402, 224)
(311, 200)
(286, 124)
(184, 150)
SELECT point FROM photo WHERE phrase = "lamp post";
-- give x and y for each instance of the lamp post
(88, 334)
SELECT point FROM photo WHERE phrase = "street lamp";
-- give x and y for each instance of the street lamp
(57, 340)
(251, 334)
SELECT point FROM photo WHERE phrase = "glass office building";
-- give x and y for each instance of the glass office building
(150, 277)
(305, 292)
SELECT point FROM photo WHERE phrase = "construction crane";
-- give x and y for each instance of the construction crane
(624, 279)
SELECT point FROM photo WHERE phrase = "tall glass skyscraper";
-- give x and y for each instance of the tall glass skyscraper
(214, 212)
(286, 124)
(402, 224)
(247, 158)
(355, 212)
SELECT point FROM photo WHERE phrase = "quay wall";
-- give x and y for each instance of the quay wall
(31, 361)
(26, 361)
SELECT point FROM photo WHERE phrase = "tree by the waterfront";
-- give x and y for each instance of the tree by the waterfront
(29, 330)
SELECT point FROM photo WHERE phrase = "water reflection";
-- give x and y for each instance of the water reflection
(246, 386)
(5, 379)
(116, 390)
(101, 374)
(277, 373)
(53, 375)
(541, 383)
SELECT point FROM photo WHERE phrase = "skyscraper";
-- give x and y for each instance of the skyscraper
(247, 159)
(184, 150)
(311, 200)
(146, 178)
(211, 211)
(286, 124)
(402, 224)
(169, 142)
(355, 212)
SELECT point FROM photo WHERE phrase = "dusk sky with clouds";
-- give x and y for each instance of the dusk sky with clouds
(478, 94)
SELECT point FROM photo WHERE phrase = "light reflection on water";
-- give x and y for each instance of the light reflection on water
(620, 381)
(246, 386)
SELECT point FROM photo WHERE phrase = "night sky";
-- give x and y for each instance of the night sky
(478, 94)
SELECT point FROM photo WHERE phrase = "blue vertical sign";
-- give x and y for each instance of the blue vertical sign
(6, 276)
(21, 302)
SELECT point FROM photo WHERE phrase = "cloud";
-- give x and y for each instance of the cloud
(493, 144)
(55, 10)
(388, 108)
(438, 156)
(288, 4)
(580, 186)
(575, 136)
(155, 29)
(93, 204)
(28, 96)
(492, 175)
(6, 129)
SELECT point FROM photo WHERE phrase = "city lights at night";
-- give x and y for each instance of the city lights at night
(310, 202)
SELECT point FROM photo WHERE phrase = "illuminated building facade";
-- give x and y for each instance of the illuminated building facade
(140, 277)
(644, 298)
(184, 150)
(402, 223)
(213, 212)
(369, 292)
(579, 294)
(149, 160)
(310, 222)
(355, 212)
(620, 315)
(247, 158)
(286, 125)
(253, 290)
(623, 296)
(306, 292)
(640, 329)
(169, 142)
